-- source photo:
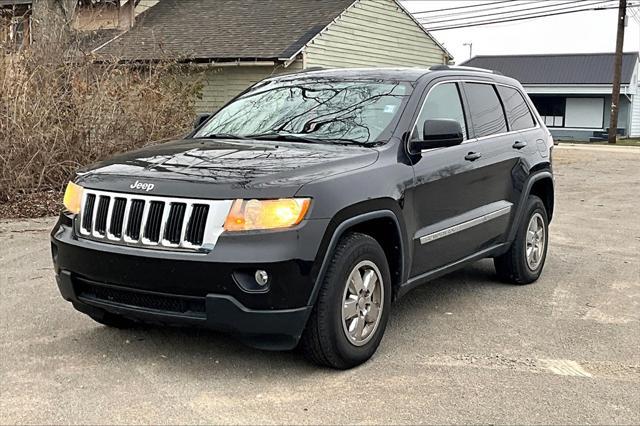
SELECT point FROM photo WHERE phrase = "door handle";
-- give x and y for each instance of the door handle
(519, 144)
(472, 156)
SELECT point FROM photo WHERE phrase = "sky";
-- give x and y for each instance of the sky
(584, 32)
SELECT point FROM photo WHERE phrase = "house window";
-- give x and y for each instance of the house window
(551, 109)
(571, 112)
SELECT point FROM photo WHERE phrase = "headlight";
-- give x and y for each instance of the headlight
(73, 197)
(247, 215)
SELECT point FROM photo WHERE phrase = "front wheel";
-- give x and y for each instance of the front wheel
(524, 261)
(350, 315)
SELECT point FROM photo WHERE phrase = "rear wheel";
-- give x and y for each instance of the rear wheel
(524, 261)
(350, 315)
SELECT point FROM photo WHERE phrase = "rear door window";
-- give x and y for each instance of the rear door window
(486, 110)
(518, 112)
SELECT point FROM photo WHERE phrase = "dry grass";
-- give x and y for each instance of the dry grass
(57, 115)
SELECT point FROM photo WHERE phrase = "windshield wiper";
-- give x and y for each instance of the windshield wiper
(297, 138)
(283, 137)
(222, 136)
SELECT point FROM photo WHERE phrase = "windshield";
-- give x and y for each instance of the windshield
(312, 110)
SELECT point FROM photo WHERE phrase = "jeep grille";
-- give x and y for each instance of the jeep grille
(150, 221)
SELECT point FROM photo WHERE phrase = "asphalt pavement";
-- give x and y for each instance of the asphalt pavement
(463, 349)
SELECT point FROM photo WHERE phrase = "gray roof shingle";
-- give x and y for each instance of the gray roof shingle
(224, 29)
(590, 68)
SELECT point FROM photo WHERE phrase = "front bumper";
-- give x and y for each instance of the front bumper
(264, 329)
(196, 289)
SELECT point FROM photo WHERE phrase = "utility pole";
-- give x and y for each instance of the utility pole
(617, 70)
(470, 44)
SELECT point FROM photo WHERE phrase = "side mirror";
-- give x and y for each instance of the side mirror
(200, 119)
(437, 134)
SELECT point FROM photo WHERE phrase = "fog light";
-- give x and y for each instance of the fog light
(252, 280)
(262, 278)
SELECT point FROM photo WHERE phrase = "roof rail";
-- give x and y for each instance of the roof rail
(293, 72)
(311, 69)
(462, 68)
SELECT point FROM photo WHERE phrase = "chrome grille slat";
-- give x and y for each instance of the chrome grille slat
(94, 213)
(163, 223)
(143, 221)
(151, 221)
(109, 216)
(125, 219)
(185, 220)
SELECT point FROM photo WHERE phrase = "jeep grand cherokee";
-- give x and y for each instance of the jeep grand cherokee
(301, 210)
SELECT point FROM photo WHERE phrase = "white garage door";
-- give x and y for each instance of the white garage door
(584, 113)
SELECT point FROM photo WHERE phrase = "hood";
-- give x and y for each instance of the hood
(224, 168)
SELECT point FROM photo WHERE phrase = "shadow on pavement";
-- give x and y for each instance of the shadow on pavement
(201, 352)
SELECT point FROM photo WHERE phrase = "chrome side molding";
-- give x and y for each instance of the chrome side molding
(464, 225)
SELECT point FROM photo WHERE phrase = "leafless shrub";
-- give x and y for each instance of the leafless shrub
(60, 111)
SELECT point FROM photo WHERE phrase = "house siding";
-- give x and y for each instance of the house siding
(373, 33)
(221, 84)
(635, 117)
(370, 33)
(624, 113)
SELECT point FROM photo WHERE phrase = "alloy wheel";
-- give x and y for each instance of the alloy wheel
(535, 241)
(362, 303)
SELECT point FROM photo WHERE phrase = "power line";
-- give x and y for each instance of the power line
(546, 8)
(464, 7)
(583, 6)
(531, 16)
(511, 4)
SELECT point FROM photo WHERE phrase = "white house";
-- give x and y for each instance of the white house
(572, 92)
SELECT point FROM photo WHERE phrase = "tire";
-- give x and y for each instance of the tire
(515, 266)
(330, 341)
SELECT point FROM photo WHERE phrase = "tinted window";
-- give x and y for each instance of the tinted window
(443, 101)
(518, 112)
(486, 111)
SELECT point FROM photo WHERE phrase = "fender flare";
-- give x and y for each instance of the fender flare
(340, 231)
(523, 198)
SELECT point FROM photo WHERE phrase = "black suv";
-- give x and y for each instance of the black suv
(301, 210)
